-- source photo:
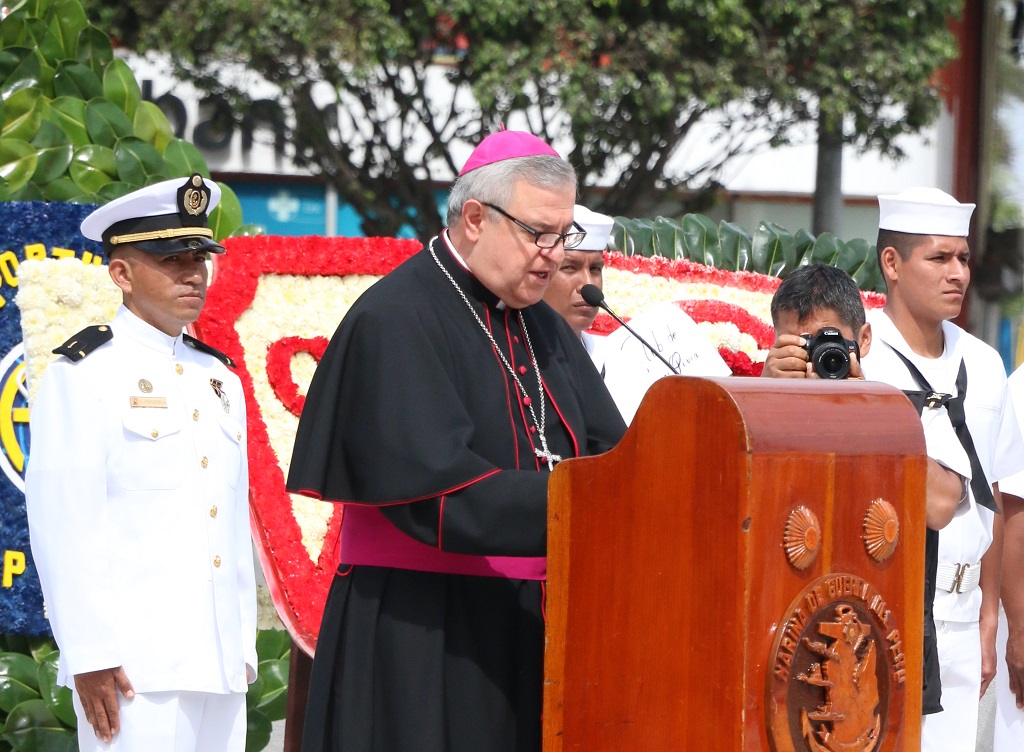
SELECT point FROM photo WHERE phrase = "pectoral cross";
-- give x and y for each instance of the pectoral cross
(546, 455)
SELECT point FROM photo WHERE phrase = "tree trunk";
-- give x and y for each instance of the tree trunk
(828, 180)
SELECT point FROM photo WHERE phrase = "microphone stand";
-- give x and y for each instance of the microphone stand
(592, 295)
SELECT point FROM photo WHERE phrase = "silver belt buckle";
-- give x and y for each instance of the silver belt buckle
(961, 570)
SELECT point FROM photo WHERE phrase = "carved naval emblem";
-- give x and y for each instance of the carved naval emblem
(837, 671)
(848, 719)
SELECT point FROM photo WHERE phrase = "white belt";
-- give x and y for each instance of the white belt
(957, 578)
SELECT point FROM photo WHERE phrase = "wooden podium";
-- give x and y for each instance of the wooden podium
(745, 571)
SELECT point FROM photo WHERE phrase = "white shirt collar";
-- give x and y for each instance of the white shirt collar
(126, 322)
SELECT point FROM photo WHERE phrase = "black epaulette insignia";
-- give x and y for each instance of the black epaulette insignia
(84, 342)
(195, 344)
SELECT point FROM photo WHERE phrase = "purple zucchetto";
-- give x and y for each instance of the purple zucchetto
(506, 145)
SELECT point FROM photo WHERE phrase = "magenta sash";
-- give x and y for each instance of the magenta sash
(368, 538)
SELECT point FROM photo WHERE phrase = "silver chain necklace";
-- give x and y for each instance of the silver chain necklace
(543, 453)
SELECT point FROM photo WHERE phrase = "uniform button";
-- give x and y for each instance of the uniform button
(238, 435)
(533, 429)
(522, 370)
(216, 561)
(179, 369)
(154, 433)
(195, 415)
(205, 462)
(526, 401)
(515, 339)
(213, 511)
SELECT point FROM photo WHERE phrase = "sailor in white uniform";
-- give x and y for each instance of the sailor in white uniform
(582, 265)
(137, 495)
(958, 384)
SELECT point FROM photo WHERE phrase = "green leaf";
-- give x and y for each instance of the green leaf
(67, 20)
(632, 237)
(138, 163)
(769, 250)
(803, 242)
(274, 699)
(227, 217)
(92, 167)
(76, 80)
(30, 192)
(116, 189)
(273, 643)
(121, 88)
(18, 681)
(36, 34)
(668, 239)
(20, 68)
(106, 122)
(32, 727)
(54, 153)
(22, 115)
(12, 31)
(56, 697)
(63, 189)
(825, 250)
(183, 159)
(69, 114)
(17, 163)
(258, 730)
(151, 126)
(734, 244)
(701, 240)
(94, 50)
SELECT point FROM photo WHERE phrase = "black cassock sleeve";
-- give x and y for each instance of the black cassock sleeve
(506, 513)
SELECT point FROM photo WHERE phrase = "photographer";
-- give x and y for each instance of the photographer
(811, 301)
(958, 385)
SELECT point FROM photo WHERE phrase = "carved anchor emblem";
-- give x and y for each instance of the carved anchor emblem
(847, 721)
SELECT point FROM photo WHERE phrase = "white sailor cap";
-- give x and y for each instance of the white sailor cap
(924, 211)
(597, 226)
(163, 218)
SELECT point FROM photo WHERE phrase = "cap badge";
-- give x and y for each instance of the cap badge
(145, 386)
(194, 199)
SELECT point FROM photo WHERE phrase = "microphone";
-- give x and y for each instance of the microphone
(593, 296)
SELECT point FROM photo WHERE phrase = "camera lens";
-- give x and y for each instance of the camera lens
(831, 361)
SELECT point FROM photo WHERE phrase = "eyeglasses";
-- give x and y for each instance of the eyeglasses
(545, 240)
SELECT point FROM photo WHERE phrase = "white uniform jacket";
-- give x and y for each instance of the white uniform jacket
(992, 423)
(137, 494)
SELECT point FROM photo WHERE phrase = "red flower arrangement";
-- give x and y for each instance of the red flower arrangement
(299, 582)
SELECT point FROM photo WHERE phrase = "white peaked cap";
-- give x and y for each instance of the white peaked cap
(597, 226)
(925, 211)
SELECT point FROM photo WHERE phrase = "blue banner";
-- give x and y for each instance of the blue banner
(31, 230)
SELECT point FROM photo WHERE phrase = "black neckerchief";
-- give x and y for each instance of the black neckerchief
(955, 407)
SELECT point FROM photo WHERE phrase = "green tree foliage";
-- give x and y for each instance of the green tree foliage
(74, 124)
(626, 82)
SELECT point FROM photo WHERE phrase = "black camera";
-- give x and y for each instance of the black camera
(829, 353)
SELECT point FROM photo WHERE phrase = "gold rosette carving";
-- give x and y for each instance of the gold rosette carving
(881, 530)
(802, 537)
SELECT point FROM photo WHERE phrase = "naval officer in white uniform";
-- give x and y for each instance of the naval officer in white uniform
(970, 427)
(137, 495)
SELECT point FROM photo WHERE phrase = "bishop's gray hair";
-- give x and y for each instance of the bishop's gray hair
(495, 183)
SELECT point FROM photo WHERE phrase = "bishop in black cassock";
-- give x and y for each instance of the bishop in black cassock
(432, 416)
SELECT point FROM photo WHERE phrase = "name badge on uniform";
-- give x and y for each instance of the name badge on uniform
(148, 401)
